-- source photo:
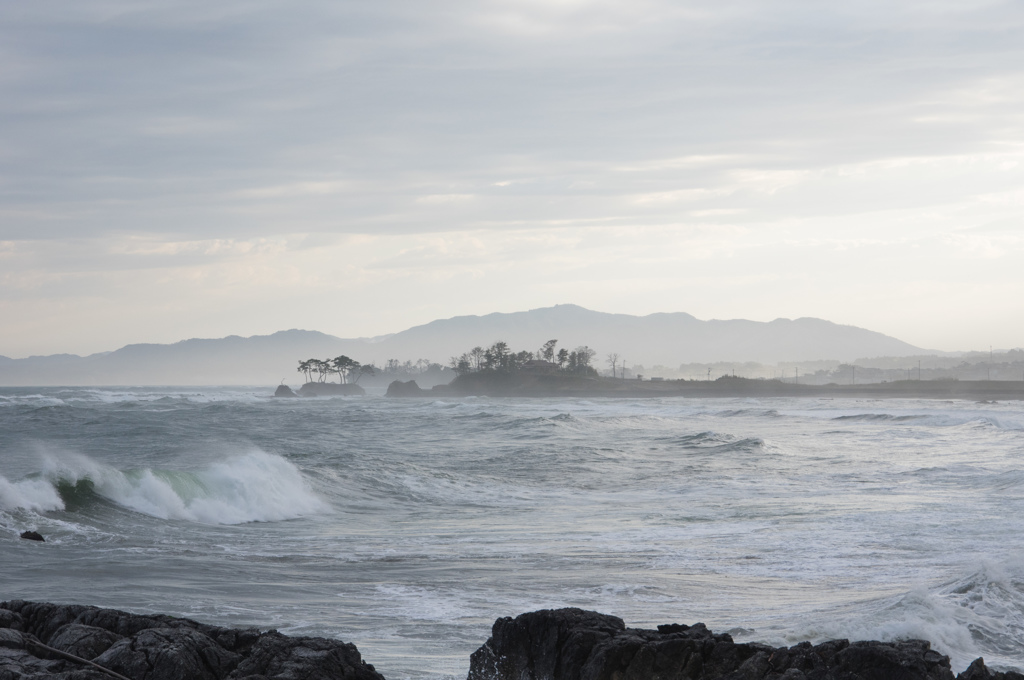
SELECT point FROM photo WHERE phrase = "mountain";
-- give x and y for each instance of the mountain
(667, 339)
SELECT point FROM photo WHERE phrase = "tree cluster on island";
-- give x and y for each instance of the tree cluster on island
(345, 368)
(500, 358)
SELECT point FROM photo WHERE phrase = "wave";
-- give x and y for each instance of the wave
(880, 416)
(763, 413)
(715, 441)
(253, 487)
(978, 615)
(35, 495)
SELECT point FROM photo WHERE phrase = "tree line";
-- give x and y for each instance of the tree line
(345, 368)
(499, 357)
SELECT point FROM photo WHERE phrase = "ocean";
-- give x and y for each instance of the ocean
(408, 526)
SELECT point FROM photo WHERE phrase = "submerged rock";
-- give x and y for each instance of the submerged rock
(160, 648)
(32, 536)
(572, 644)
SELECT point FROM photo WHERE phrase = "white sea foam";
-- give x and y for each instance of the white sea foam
(37, 495)
(252, 487)
(981, 614)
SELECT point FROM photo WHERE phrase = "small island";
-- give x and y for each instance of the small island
(318, 373)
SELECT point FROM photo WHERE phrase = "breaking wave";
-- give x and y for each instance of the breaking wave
(253, 487)
(978, 615)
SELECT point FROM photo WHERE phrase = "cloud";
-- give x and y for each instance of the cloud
(148, 140)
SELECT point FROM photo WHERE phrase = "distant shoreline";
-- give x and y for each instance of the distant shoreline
(512, 385)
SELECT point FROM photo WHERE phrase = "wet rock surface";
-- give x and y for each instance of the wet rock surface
(159, 647)
(562, 644)
(572, 644)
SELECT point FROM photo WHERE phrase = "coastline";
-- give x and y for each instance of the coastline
(79, 642)
(529, 385)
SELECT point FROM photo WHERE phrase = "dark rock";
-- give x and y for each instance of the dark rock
(284, 391)
(17, 660)
(978, 671)
(304, 658)
(32, 536)
(160, 647)
(315, 389)
(42, 619)
(169, 654)
(83, 641)
(9, 619)
(11, 639)
(405, 389)
(542, 644)
(571, 644)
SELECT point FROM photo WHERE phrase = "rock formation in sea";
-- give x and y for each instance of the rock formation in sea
(39, 640)
(317, 389)
(572, 644)
(406, 389)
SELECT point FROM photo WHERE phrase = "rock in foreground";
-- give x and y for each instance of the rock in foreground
(572, 644)
(160, 648)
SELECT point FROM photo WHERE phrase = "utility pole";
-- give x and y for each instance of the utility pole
(796, 372)
(853, 370)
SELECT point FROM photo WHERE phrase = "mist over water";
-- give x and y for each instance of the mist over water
(407, 527)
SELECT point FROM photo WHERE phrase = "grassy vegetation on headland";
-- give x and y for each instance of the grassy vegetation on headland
(499, 372)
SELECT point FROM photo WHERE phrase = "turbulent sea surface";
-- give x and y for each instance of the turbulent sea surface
(408, 526)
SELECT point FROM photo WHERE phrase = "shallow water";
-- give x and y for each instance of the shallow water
(408, 526)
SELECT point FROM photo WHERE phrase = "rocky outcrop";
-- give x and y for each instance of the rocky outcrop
(406, 389)
(74, 642)
(315, 389)
(284, 391)
(572, 644)
(32, 536)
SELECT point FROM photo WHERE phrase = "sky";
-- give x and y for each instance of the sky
(193, 169)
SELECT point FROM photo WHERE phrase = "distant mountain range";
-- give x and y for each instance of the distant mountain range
(666, 339)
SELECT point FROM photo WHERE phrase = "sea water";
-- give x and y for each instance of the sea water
(408, 526)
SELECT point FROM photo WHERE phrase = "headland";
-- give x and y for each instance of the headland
(523, 384)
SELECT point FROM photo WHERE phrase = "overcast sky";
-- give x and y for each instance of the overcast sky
(194, 169)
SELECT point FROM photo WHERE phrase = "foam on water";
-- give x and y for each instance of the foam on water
(792, 519)
(252, 487)
(36, 495)
(979, 615)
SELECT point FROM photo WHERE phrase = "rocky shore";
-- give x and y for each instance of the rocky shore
(75, 642)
